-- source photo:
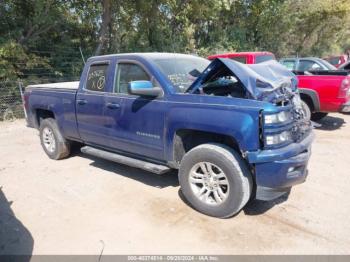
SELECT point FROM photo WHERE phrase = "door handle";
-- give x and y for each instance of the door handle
(81, 102)
(113, 105)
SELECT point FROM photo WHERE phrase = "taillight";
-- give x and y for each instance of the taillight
(344, 90)
(26, 100)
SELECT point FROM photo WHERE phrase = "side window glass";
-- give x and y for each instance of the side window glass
(334, 60)
(305, 65)
(96, 80)
(316, 66)
(289, 64)
(239, 59)
(127, 72)
(264, 58)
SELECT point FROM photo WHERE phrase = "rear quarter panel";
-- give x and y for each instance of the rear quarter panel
(60, 102)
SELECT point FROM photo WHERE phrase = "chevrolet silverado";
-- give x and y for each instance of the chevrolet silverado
(234, 132)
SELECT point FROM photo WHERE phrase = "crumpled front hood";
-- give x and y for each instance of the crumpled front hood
(269, 81)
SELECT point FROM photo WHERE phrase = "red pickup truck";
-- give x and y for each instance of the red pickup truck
(247, 57)
(321, 91)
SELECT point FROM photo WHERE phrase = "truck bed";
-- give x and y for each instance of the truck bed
(57, 97)
(322, 72)
(63, 85)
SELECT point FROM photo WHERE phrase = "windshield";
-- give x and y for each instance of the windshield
(182, 71)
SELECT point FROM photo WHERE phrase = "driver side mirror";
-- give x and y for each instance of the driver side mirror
(144, 88)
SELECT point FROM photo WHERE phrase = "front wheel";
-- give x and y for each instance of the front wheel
(52, 141)
(215, 180)
(306, 110)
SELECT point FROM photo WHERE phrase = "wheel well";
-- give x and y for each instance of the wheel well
(308, 100)
(41, 114)
(186, 139)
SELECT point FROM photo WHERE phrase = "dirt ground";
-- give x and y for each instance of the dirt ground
(83, 205)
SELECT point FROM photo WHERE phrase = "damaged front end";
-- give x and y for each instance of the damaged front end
(270, 82)
(285, 133)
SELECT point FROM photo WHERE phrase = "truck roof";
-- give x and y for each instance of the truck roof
(150, 55)
(232, 54)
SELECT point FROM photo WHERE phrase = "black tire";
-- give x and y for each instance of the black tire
(306, 109)
(61, 147)
(318, 116)
(238, 176)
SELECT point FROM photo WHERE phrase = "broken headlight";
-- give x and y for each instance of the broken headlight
(279, 118)
(284, 137)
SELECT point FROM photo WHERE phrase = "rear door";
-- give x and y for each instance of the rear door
(90, 103)
(138, 127)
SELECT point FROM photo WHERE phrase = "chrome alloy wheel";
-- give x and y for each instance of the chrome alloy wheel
(49, 139)
(209, 183)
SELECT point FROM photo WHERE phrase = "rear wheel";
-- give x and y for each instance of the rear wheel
(52, 141)
(215, 180)
(318, 116)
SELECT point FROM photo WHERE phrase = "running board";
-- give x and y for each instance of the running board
(150, 167)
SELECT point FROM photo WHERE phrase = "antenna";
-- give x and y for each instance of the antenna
(81, 53)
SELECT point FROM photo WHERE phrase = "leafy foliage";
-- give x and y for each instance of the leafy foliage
(43, 38)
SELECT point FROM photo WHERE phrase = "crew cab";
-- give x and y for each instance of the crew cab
(323, 88)
(234, 132)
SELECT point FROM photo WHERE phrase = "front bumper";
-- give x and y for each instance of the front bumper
(277, 170)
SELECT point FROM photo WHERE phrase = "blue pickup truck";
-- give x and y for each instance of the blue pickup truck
(233, 131)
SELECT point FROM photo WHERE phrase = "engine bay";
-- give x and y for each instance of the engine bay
(223, 83)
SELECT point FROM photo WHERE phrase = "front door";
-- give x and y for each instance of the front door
(139, 126)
